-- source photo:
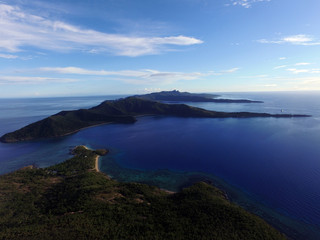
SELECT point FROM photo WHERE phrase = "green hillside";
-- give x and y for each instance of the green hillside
(72, 200)
(117, 111)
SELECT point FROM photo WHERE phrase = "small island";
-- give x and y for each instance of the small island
(72, 200)
(118, 111)
(177, 96)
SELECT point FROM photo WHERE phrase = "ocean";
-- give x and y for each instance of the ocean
(272, 163)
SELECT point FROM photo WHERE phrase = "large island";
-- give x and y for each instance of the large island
(117, 111)
(72, 200)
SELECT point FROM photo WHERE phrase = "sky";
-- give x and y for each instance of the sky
(105, 47)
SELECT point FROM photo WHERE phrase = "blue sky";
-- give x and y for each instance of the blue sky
(99, 47)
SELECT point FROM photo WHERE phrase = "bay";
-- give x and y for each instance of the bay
(275, 162)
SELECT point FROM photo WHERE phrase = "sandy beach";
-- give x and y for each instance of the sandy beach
(97, 164)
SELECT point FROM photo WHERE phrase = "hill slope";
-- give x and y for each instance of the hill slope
(117, 111)
(176, 96)
(72, 200)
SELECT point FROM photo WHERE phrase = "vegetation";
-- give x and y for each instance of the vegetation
(72, 201)
(191, 97)
(118, 111)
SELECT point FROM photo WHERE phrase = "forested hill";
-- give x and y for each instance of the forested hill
(72, 200)
(116, 111)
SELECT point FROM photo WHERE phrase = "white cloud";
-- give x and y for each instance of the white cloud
(82, 71)
(132, 76)
(8, 56)
(302, 64)
(32, 80)
(292, 68)
(311, 83)
(137, 76)
(261, 76)
(281, 66)
(231, 70)
(297, 71)
(282, 58)
(245, 3)
(300, 39)
(270, 85)
(20, 29)
(297, 83)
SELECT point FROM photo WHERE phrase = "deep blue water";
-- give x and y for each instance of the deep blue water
(276, 161)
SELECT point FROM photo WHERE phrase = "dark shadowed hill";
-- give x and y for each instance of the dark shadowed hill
(116, 111)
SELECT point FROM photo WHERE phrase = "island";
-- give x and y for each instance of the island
(123, 110)
(72, 200)
(177, 96)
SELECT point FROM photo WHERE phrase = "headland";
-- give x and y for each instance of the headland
(122, 111)
(70, 200)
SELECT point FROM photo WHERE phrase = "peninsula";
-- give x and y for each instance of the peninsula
(177, 96)
(117, 111)
(72, 200)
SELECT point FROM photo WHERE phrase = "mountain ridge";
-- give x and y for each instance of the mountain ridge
(123, 110)
(177, 96)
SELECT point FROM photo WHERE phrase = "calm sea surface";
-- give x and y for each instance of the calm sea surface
(274, 161)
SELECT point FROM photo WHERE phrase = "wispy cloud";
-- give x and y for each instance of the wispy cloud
(286, 83)
(292, 68)
(245, 3)
(20, 30)
(300, 39)
(14, 56)
(311, 83)
(297, 83)
(137, 76)
(260, 76)
(8, 56)
(32, 80)
(132, 76)
(232, 70)
(281, 66)
(83, 71)
(297, 71)
(270, 85)
(302, 64)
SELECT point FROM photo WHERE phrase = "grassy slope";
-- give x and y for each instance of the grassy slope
(73, 201)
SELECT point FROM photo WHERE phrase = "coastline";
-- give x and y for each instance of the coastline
(102, 162)
(96, 161)
(96, 167)
(65, 125)
(172, 182)
(72, 192)
(190, 178)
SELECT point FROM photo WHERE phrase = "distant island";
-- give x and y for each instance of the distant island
(72, 200)
(176, 96)
(117, 111)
